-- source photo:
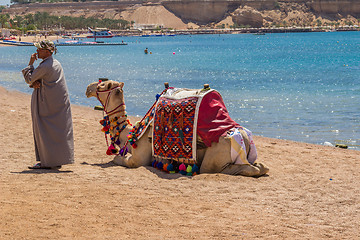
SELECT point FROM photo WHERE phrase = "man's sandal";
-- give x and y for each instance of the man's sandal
(38, 166)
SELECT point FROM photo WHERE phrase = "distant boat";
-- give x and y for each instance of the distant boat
(259, 33)
(100, 33)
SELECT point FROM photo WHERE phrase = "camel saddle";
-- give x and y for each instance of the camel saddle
(181, 116)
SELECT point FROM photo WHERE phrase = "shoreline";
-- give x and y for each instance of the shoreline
(138, 33)
(311, 191)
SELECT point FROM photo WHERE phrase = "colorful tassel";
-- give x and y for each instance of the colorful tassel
(108, 152)
(154, 163)
(160, 165)
(195, 169)
(123, 151)
(170, 168)
(189, 171)
(105, 129)
(165, 167)
(182, 167)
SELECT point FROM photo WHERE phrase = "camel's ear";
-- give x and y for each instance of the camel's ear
(121, 84)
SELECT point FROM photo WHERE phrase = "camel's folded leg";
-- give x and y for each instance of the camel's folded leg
(217, 159)
(263, 168)
(132, 161)
(256, 170)
(141, 156)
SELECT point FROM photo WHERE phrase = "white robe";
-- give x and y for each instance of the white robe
(51, 114)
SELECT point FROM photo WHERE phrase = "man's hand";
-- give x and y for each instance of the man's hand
(33, 58)
(36, 84)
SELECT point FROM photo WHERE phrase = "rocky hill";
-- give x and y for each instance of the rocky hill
(182, 14)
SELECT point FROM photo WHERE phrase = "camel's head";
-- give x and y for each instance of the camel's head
(105, 89)
(92, 88)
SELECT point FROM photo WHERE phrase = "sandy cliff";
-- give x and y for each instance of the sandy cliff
(333, 7)
(180, 14)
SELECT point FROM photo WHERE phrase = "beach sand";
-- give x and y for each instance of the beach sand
(311, 191)
(33, 39)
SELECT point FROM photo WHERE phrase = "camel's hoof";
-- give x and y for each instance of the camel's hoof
(263, 169)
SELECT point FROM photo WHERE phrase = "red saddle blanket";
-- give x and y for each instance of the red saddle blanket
(180, 115)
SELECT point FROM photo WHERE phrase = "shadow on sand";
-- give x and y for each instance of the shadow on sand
(159, 173)
(42, 171)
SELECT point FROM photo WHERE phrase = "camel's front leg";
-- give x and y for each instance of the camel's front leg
(140, 156)
(132, 161)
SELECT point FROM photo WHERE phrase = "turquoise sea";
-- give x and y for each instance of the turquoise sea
(295, 86)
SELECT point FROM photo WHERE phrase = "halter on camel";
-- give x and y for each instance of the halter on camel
(105, 105)
(106, 122)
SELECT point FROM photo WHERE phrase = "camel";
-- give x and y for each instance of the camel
(213, 159)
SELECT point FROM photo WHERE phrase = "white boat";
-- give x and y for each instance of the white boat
(100, 33)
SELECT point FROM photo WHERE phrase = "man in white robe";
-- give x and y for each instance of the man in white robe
(50, 109)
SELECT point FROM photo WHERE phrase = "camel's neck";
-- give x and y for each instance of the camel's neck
(118, 127)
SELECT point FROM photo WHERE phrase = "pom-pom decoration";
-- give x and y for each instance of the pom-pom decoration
(195, 169)
(154, 163)
(170, 167)
(108, 152)
(182, 167)
(160, 165)
(165, 167)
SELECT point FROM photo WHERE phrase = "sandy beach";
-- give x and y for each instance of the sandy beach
(311, 191)
(35, 38)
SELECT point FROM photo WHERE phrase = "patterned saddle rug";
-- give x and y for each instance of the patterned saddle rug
(175, 129)
(182, 114)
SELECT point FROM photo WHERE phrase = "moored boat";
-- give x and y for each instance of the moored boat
(99, 33)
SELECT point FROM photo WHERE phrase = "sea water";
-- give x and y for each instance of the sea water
(294, 86)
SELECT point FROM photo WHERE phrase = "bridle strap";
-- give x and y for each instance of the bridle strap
(105, 105)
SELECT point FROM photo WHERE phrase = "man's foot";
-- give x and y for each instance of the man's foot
(38, 166)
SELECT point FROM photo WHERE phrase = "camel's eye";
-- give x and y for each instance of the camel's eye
(100, 86)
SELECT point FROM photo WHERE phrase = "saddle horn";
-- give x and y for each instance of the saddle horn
(166, 84)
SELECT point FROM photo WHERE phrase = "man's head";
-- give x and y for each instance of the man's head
(45, 48)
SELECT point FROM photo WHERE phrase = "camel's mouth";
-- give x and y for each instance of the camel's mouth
(88, 93)
(91, 90)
